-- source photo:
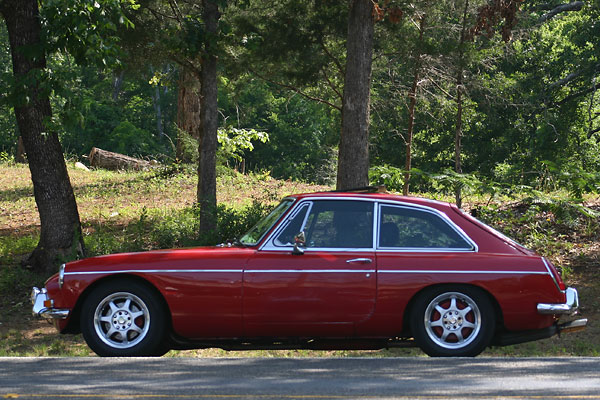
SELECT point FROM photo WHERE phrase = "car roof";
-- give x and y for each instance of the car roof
(375, 196)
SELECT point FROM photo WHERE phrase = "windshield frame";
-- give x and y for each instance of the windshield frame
(266, 224)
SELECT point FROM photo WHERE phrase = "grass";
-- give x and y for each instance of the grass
(131, 211)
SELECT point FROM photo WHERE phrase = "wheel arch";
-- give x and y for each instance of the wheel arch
(74, 321)
(452, 286)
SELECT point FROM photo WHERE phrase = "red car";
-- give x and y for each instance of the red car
(322, 271)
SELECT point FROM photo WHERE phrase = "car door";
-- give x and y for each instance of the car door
(328, 288)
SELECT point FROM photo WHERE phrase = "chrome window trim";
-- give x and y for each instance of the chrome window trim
(422, 250)
(269, 243)
(376, 213)
(474, 248)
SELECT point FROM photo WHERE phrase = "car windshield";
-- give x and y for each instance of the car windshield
(259, 230)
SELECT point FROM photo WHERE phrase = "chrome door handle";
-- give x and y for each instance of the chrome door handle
(360, 260)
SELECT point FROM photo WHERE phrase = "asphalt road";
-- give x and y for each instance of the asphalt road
(278, 378)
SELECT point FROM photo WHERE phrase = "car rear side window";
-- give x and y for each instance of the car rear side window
(410, 228)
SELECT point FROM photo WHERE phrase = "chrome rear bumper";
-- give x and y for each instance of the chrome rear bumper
(43, 305)
(569, 307)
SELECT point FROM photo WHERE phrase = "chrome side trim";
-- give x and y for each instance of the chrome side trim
(387, 271)
(154, 271)
(439, 271)
(569, 307)
(309, 271)
(550, 273)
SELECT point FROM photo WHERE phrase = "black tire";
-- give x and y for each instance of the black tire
(456, 321)
(124, 319)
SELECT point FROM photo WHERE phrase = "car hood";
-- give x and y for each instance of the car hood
(190, 258)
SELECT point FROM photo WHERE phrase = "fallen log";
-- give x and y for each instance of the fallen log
(108, 160)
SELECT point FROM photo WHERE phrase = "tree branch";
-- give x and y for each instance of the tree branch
(448, 95)
(294, 89)
(592, 132)
(561, 82)
(331, 85)
(157, 14)
(573, 6)
(335, 60)
(575, 95)
(176, 11)
(187, 64)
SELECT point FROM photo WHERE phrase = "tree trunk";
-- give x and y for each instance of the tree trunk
(459, 107)
(188, 109)
(60, 237)
(207, 150)
(353, 163)
(20, 156)
(412, 95)
(157, 109)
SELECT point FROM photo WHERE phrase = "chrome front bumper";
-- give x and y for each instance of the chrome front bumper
(43, 305)
(569, 307)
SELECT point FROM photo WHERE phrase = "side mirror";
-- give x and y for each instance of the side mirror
(299, 240)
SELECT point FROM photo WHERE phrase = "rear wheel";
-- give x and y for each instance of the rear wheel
(453, 322)
(126, 318)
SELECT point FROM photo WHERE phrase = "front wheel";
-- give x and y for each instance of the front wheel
(121, 319)
(453, 322)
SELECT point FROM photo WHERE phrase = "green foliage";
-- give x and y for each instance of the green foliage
(167, 229)
(531, 119)
(128, 139)
(85, 28)
(571, 178)
(548, 225)
(14, 281)
(302, 133)
(125, 124)
(391, 177)
(233, 142)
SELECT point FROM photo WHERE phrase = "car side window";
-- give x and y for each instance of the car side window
(405, 227)
(332, 224)
(293, 227)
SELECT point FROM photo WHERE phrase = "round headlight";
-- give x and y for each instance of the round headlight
(61, 276)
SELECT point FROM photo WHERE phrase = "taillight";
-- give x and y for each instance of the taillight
(555, 275)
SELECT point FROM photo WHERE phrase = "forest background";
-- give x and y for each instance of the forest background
(530, 112)
(491, 99)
